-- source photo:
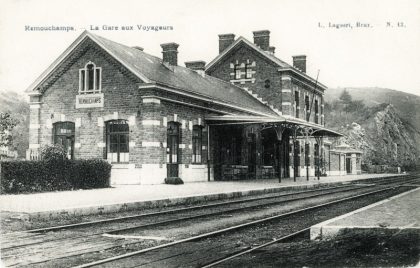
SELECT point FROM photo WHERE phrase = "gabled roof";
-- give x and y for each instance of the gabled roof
(283, 66)
(150, 69)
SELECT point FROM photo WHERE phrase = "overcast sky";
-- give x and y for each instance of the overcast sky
(379, 55)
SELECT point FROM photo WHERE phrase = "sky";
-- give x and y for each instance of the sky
(385, 54)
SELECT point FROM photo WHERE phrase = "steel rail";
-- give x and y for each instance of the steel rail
(82, 224)
(197, 216)
(230, 210)
(251, 249)
(228, 229)
(116, 219)
(185, 209)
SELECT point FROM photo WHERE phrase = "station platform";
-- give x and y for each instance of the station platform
(391, 215)
(130, 197)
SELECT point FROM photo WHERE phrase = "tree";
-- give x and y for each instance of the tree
(345, 97)
(7, 123)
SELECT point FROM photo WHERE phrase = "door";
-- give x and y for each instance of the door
(296, 159)
(317, 160)
(348, 165)
(172, 155)
(64, 136)
(284, 156)
(252, 159)
(68, 145)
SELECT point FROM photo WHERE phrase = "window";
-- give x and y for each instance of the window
(90, 79)
(237, 71)
(172, 142)
(297, 103)
(307, 107)
(117, 141)
(197, 138)
(64, 135)
(248, 71)
(267, 83)
(316, 111)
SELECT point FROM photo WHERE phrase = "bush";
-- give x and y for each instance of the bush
(53, 152)
(173, 180)
(53, 175)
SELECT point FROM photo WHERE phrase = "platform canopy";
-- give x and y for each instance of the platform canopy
(298, 126)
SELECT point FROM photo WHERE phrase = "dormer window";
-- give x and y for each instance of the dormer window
(90, 79)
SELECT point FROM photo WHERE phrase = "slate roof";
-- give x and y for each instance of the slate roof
(150, 69)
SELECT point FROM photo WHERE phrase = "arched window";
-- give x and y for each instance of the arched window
(64, 135)
(90, 79)
(197, 140)
(117, 141)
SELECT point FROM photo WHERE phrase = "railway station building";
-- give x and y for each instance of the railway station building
(245, 115)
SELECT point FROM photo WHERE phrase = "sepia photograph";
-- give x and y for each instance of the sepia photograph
(217, 133)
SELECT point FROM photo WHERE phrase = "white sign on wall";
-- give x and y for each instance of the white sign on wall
(90, 101)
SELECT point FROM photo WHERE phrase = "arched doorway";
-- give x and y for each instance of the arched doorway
(64, 136)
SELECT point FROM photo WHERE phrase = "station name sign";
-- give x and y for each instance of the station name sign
(90, 101)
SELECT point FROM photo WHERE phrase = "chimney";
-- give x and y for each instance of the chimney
(271, 50)
(299, 62)
(225, 40)
(170, 53)
(197, 66)
(138, 48)
(262, 39)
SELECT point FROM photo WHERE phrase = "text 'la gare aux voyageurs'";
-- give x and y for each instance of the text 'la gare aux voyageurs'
(137, 27)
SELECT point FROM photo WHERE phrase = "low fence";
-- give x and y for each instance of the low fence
(380, 169)
(33, 155)
(6, 153)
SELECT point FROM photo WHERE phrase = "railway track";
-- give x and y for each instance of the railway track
(215, 209)
(265, 201)
(194, 248)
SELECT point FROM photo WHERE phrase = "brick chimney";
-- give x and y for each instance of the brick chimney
(262, 39)
(170, 53)
(225, 40)
(299, 62)
(198, 66)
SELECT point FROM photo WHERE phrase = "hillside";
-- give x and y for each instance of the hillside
(384, 123)
(16, 105)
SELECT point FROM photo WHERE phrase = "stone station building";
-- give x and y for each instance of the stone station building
(245, 115)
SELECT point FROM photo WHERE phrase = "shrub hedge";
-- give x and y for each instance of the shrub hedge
(174, 180)
(53, 175)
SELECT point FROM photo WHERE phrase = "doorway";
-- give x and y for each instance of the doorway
(172, 150)
(64, 136)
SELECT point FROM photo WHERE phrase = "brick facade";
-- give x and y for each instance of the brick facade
(147, 111)
(121, 93)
